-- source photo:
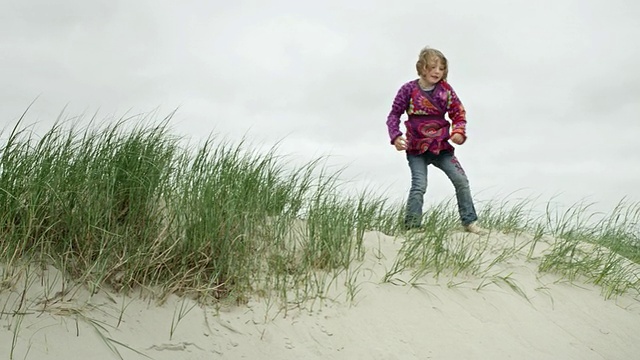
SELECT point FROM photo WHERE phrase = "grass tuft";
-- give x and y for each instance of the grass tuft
(130, 206)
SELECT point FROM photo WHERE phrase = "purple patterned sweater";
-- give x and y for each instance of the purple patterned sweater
(427, 129)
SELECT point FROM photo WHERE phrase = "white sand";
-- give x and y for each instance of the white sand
(430, 321)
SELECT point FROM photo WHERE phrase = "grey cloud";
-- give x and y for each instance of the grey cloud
(550, 86)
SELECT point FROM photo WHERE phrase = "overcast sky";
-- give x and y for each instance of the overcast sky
(551, 87)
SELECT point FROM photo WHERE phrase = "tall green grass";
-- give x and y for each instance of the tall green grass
(128, 205)
(603, 249)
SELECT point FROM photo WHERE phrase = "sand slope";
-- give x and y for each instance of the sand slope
(435, 319)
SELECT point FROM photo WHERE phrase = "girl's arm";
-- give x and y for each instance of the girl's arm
(457, 113)
(399, 106)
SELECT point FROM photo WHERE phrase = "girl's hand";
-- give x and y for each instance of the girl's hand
(457, 139)
(400, 143)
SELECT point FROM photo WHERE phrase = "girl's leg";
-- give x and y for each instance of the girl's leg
(418, 165)
(448, 163)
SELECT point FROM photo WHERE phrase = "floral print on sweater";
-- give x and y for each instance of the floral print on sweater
(427, 128)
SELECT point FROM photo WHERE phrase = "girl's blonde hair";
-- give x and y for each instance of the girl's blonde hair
(428, 57)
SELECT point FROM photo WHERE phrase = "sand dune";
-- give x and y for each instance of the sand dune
(530, 316)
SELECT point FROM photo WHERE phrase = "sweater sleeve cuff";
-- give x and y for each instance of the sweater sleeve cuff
(394, 137)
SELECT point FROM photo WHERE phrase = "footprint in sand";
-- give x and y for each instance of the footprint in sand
(288, 344)
(324, 330)
(181, 346)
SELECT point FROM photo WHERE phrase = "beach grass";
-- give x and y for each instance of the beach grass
(130, 206)
(579, 246)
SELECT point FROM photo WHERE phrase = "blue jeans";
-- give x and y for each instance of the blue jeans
(448, 163)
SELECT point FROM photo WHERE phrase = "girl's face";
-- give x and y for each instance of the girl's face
(433, 72)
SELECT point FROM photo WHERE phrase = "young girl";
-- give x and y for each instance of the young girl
(426, 100)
